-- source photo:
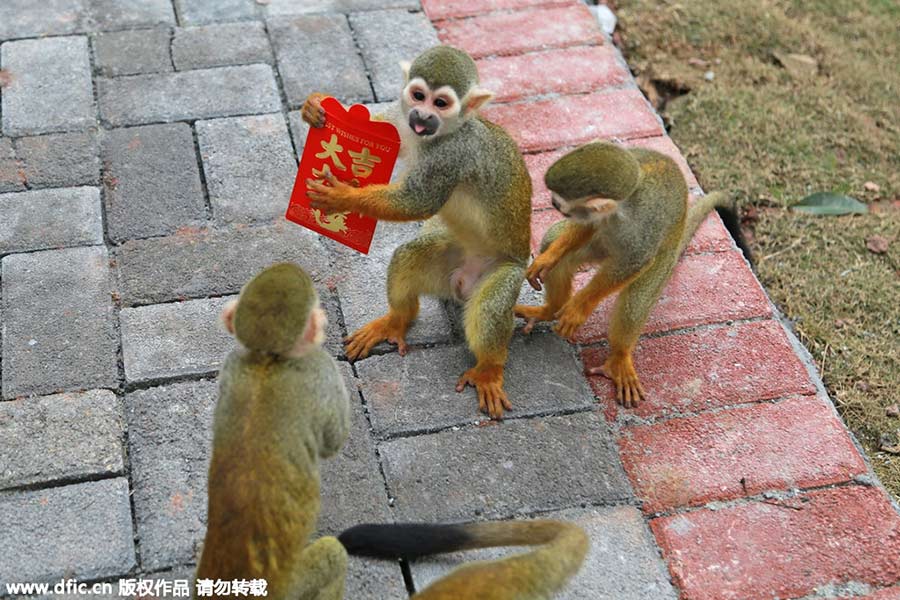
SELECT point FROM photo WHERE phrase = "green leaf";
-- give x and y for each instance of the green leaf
(830, 203)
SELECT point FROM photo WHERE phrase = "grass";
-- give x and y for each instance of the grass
(772, 136)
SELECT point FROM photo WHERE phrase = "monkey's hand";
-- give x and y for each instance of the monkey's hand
(539, 269)
(488, 382)
(335, 197)
(532, 314)
(570, 317)
(312, 111)
(621, 371)
(390, 328)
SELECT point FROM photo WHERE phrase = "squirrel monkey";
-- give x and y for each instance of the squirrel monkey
(537, 575)
(282, 406)
(468, 179)
(627, 213)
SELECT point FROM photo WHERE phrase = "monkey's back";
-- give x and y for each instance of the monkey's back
(263, 476)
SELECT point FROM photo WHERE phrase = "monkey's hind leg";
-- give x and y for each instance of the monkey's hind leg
(421, 266)
(629, 315)
(321, 572)
(489, 324)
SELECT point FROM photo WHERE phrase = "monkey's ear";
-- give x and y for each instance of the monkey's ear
(600, 205)
(475, 99)
(228, 315)
(405, 65)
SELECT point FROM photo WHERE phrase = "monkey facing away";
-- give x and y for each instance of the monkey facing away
(536, 575)
(282, 406)
(627, 213)
(468, 179)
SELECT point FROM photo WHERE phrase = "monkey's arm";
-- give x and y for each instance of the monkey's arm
(419, 196)
(573, 236)
(334, 413)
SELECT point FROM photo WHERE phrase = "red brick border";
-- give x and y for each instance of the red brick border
(733, 415)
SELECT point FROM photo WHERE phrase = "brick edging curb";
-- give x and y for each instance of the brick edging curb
(750, 482)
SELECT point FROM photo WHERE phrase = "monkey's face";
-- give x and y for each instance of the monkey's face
(590, 209)
(430, 113)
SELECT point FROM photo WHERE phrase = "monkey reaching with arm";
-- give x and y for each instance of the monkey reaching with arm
(469, 180)
(627, 213)
(536, 575)
(282, 406)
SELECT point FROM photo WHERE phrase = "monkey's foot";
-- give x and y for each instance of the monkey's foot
(629, 390)
(533, 314)
(570, 317)
(488, 382)
(390, 328)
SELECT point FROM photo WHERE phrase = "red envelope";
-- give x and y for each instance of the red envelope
(354, 148)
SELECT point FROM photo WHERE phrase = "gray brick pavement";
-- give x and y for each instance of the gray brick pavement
(169, 441)
(63, 436)
(220, 45)
(27, 18)
(317, 54)
(54, 218)
(623, 562)
(173, 340)
(152, 181)
(82, 531)
(542, 376)
(292, 7)
(12, 175)
(198, 94)
(50, 88)
(57, 322)
(197, 12)
(250, 167)
(60, 159)
(133, 52)
(387, 37)
(497, 471)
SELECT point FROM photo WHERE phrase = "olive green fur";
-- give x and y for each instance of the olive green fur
(445, 65)
(575, 175)
(275, 308)
(276, 417)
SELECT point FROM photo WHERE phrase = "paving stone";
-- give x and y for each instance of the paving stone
(622, 564)
(169, 442)
(133, 52)
(250, 167)
(12, 173)
(199, 263)
(152, 181)
(369, 578)
(60, 437)
(80, 531)
(50, 88)
(892, 593)
(385, 38)
(798, 443)
(171, 340)
(708, 368)
(361, 283)
(60, 159)
(541, 377)
(711, 236)
(194, 12)
(492, 471)
(200, 94)
(446, 9)
(521, 31)
(40, 219)
(705, 288)
(129, 14)
(540, 199)
(622, 114)
(57, 322)
(832, 536)
(317, 54)
(567, 71)
(291, 7)
(220, 45)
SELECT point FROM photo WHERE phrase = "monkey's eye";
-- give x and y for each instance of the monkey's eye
(418, 95)
(440, 103)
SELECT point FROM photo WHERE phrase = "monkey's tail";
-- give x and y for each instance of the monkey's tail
(724, 205)
(564, 548)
